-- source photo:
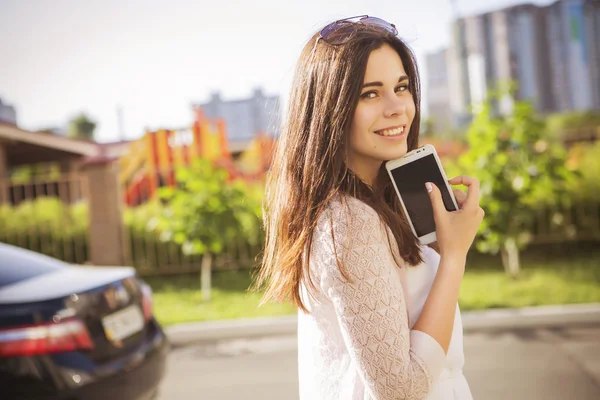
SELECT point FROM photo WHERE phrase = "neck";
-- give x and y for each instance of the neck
(367, 171)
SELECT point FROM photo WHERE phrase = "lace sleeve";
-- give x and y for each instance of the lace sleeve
(393, 361)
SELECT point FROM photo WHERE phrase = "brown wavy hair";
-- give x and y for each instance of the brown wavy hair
(309, 165)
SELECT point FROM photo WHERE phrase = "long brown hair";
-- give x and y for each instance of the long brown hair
(309, 165)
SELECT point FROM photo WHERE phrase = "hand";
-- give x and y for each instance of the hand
(460, 197)
(456, 230)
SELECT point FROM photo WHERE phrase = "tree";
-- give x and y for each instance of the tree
(565, 125)
(205, 212)
(585, 159)
(82, 127)
(428, 127)
(519, 168)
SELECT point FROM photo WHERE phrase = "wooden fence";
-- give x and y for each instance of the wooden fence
(51, 217)
(47, 216)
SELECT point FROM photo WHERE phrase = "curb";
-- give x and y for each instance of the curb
(213, 331)
(473, 321)
(531, 317)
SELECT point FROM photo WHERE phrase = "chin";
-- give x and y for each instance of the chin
(395, 152)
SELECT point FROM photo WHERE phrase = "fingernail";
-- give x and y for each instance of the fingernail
(429, 187)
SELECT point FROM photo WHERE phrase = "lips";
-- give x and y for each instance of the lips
(397, 130)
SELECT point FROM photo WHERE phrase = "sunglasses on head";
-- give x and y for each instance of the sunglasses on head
(341, 31)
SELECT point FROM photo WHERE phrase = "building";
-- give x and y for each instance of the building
(438, 92)
(552, 52)
(502, 46)
(574, 47)
(592, 38)
(8, 114)
(247, 117)
(458, 75)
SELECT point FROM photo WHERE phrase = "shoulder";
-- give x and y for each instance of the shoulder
(345, 220)
(346, 223)
(342, 206)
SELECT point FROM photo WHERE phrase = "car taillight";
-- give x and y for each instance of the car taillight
(45, 338)
(147, 301)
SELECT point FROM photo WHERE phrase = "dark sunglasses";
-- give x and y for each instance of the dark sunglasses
(341, 31)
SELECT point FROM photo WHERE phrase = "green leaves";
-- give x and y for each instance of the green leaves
(82, 127)
(205, 211)
(584, 160)
(48, 215)
(519, 167)
(47, 225)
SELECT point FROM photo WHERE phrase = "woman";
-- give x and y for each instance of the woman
(378, 313)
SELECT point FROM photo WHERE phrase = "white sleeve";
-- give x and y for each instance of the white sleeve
(393, 361)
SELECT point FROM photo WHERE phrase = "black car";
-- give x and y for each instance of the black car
(76, 332)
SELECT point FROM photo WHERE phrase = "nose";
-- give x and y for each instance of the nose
(394, 106)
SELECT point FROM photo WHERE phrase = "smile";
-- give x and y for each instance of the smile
(392, 131)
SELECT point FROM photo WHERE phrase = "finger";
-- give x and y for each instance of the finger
(462, 180)
(460, 197)
(472, 199)
(436, 199)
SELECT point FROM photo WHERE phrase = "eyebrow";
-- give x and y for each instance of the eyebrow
(402, 78)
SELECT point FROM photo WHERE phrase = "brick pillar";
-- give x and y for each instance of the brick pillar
(3, 174)
(106, 239)
(3, 162)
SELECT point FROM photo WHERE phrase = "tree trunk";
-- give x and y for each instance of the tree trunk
(510, 257)
(205, 276)
(244, 259)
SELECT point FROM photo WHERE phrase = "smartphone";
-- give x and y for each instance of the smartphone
(409, 175)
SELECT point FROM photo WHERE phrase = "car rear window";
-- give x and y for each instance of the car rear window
(17, 264)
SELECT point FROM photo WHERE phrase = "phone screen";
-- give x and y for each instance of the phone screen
(410, 180)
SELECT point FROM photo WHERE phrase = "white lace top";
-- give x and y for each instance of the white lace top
(357, 342)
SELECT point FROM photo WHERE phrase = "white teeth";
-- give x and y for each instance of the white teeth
(392, 132)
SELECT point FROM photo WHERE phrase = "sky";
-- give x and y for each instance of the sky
(154, 58)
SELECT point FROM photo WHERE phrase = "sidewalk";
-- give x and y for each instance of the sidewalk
(473, 321)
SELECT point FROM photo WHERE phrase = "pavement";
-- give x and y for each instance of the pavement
(473, 321)
(527, 363)
(550, 352)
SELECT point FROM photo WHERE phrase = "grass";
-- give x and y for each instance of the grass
(549, 276)
(541, 282)
(179, 298)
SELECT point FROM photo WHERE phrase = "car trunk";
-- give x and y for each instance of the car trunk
(109, 301)
(114, 316)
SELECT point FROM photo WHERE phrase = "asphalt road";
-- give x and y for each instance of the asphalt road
(532, 364)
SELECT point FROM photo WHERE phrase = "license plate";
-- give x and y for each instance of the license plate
(123, 323)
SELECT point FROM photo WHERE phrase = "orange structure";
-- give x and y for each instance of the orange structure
(256, 159)
(152, 160)
(445, 148)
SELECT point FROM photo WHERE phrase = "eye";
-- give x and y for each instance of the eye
(402, 88)
(369, 95)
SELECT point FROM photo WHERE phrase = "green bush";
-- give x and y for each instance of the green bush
(204, 212)
(585, 159)
(564, 125)
(47, 225)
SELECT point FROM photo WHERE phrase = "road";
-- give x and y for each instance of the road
(558, 363)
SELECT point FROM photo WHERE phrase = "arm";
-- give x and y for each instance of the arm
(393, 361)
(455, 233)
(437, 316)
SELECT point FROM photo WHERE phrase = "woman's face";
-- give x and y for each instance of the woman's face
(383, 116)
